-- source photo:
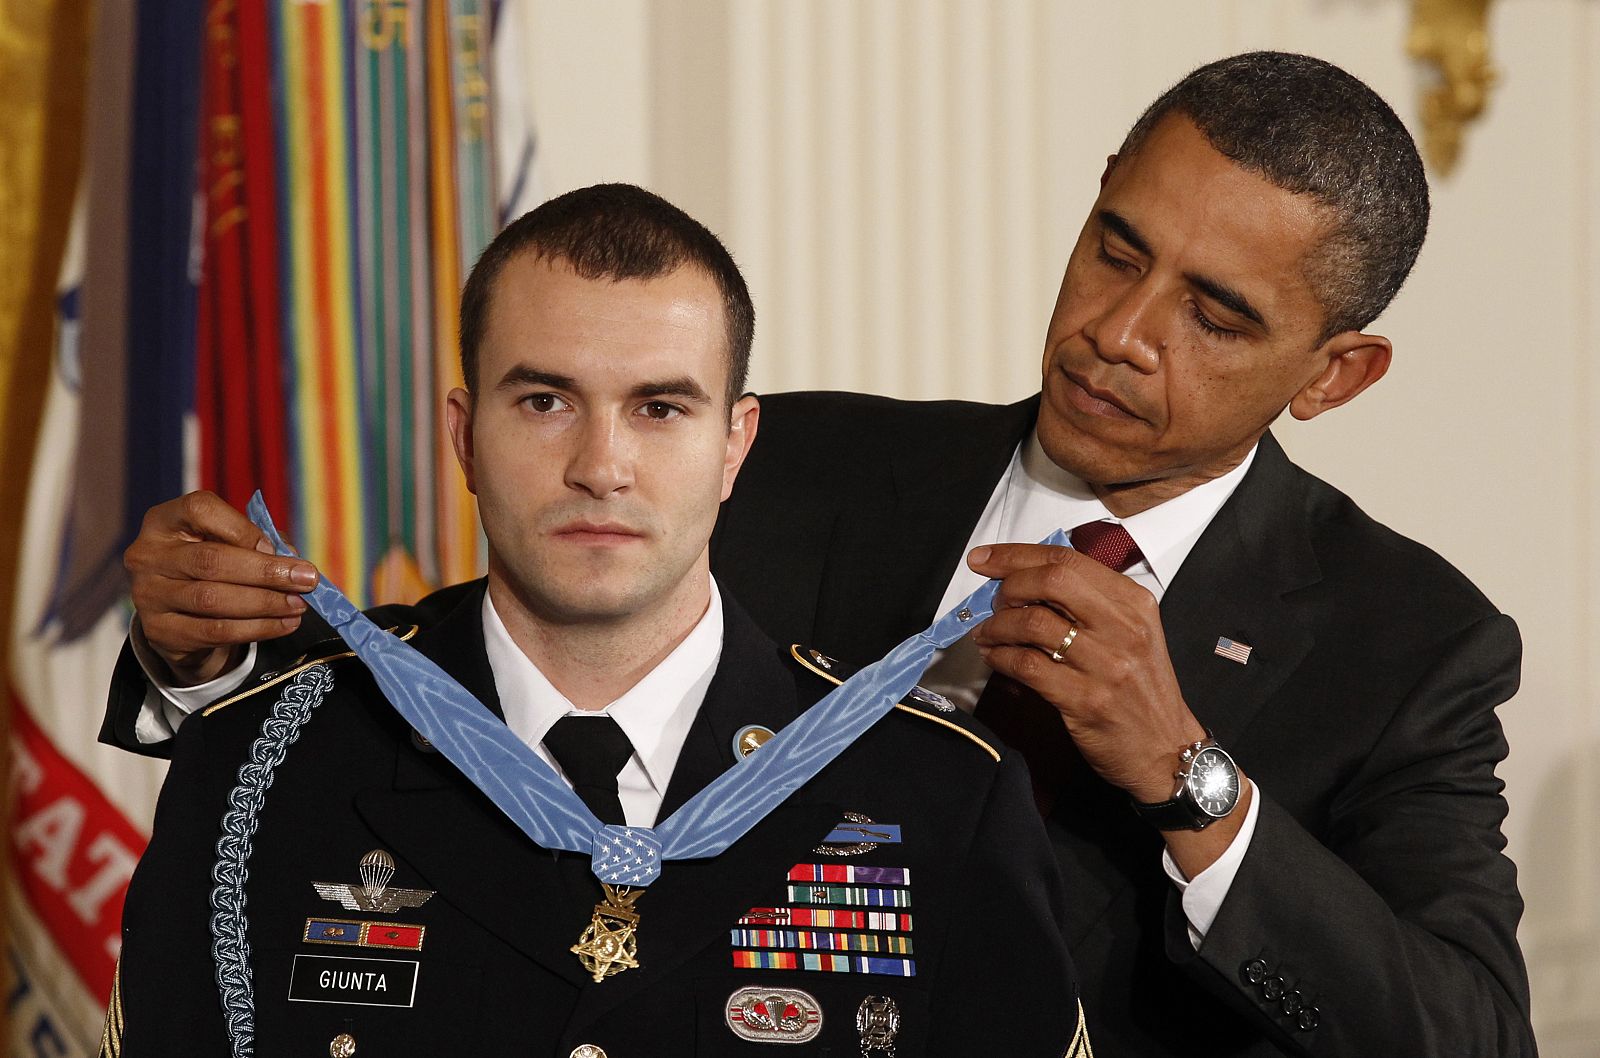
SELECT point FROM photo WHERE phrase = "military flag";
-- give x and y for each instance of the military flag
(279, 204)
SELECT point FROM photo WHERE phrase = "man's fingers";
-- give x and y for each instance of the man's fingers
(1038, 627)
(212, 561)
(1079, 588)
(204, 598)
(1001, 560)
(1057, 575)
(228, 564)
(199, 537)
(177, 635)
(203, 516)
(1053, 682)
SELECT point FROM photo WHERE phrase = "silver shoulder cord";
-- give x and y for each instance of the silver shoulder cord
(230, 945)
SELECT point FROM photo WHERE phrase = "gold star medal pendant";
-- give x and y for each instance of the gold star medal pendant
(609, 944)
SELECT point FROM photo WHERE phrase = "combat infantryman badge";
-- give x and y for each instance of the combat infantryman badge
(877, 1025)
(373, 894)
(774, 1015)
(608, 944)
(856, 835)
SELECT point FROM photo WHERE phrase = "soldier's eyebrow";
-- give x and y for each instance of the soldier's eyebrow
(682, 387)
(524, 375)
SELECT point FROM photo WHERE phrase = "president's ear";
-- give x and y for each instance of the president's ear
(1349, 362)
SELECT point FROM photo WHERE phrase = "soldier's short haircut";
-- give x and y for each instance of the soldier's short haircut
(612, 231)
(1311, 128)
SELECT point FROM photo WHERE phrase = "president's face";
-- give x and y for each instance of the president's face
(1185, 322)
(598, 441)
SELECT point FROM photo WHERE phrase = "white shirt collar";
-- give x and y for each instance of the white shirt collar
(655, 713)
(1037, 497)
(1167, 532)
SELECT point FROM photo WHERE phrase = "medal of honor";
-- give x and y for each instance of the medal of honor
(609, 943)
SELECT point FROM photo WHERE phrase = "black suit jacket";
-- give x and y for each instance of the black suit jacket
(495, 974)
(1375, 889)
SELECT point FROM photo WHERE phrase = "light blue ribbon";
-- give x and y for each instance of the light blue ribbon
(536, 799)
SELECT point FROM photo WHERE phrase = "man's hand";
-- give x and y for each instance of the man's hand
(1114, 685)
(206, 583)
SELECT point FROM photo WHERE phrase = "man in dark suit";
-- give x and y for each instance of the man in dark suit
(365, 896)
(1339, 885)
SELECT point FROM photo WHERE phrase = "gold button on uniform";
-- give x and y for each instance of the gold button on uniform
(588, 1050)
(342, 1046)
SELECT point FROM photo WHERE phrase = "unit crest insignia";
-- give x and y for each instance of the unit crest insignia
(750, 738)
(373, 894)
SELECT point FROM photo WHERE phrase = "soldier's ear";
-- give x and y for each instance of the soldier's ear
(743, 419)
(458, 418)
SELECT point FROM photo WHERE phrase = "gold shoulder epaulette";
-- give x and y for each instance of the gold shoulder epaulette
(919, 702)
(324, 652)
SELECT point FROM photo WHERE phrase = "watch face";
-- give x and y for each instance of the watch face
(1213, 782)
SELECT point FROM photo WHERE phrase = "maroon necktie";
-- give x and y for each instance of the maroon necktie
(1027, 722)
(1107, 543)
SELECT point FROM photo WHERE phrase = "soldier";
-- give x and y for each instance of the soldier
(367, 896)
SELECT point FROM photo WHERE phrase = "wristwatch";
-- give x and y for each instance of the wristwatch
(1208, 790)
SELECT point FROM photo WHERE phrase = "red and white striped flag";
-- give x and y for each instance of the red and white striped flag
(79, 809)
(1227, 648)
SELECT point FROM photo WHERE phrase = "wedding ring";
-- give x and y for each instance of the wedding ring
(1060, 652)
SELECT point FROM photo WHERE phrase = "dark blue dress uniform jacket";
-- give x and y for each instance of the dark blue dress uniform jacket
(495, 976)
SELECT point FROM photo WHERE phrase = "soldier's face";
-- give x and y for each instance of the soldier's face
(1185, 321)
(598, 441)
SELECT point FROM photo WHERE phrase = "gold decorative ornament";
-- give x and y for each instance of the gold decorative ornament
(609, 943)
(1453, 37)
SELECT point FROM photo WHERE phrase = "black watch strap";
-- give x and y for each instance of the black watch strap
(1175, 814)
(1181, 812)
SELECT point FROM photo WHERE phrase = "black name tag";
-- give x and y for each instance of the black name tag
(365, 982)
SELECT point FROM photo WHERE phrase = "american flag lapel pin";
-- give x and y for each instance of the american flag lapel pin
(1227, 648)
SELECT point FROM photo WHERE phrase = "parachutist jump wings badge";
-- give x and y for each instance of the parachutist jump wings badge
(373, 894)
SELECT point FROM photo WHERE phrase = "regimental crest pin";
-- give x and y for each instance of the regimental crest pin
(750, 738)
(774, 1015)
(373, 895)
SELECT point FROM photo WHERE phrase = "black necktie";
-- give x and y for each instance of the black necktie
(1028, 723)
(592, 750)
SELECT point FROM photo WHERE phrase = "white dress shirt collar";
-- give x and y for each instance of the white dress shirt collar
(1035, 497)
(1167, 532)
(655, 713)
